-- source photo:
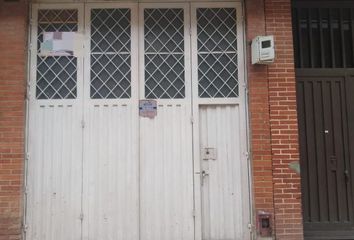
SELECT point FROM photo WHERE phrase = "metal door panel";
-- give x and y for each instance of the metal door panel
(54, 137)
(323, 34)
(166, 179)
(115, 175)
(324, 125)
(111, 194)
(222, 200)
(219, 112)
(54, 173)
(166, 163)
(111, 157)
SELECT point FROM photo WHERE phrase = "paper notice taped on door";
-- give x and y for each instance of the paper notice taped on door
(147, 108)
(58, 44)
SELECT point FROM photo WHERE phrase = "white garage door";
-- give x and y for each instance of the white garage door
(105, 163)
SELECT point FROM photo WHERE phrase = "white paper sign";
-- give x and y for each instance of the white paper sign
(148, 108)
(58, 44)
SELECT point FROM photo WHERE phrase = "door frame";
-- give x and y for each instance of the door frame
(187, 64)
(241, 101)
(191, 91)
(33, 34)
(134, 52)
(319, 229)
(31, 100)
(133, 100)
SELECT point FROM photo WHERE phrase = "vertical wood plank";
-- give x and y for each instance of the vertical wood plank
(300, 46)
(338, 151)
(349, 96)
(320, 153)
(312, 161)
(311, 42)
(328, 148)
(323, 62)
(301, 102)
(341, 27)
(296, 37)
(352, 31)
(346, 147)
(330, 19)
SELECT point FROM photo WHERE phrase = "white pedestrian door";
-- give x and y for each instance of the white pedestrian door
(98, 168)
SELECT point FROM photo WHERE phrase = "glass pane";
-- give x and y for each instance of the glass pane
(217, 53)
(164, 53)
(110, 53)
(56, 75)
(218, 75)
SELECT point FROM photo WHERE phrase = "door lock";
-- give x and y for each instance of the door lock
(203, 174)
(209, 153)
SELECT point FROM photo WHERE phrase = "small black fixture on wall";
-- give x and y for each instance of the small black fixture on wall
(264, 224)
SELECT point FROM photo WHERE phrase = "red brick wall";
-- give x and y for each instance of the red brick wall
(283, 122)
(12, 115)
(259, 114)
(274, 120)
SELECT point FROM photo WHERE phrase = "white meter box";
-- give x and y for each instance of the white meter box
(263, 50)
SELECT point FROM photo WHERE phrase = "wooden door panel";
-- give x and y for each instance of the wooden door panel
(325, 131)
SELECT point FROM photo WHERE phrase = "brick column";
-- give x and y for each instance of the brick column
(13, 35)
(259, 114)
(283, 123)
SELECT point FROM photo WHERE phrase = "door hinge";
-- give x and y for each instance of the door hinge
(25, 190)
(28, 92)
(27, 156)
(247, 155)
(82, 123)
(245, 87)
(192, 120)
(25, 227)
(81, 216)
(249, 225)
(193, 213)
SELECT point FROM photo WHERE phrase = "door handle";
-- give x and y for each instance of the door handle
(203, 174)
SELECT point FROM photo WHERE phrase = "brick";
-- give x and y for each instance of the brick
(282, 101)
(13, 35)
(273, 119)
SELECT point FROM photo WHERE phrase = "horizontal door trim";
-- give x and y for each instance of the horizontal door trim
(313, 72)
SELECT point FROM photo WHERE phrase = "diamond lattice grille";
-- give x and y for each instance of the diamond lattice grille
(110, 53)
(164, 53)
(56, 75)
(217, 53)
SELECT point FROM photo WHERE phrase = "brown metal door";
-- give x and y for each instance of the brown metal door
(326, 124)
(324, 58)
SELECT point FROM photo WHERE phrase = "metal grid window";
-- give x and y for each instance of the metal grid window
(56, 75)
(110, 53)
(164, 53)
(217, 53)
(324, 36)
